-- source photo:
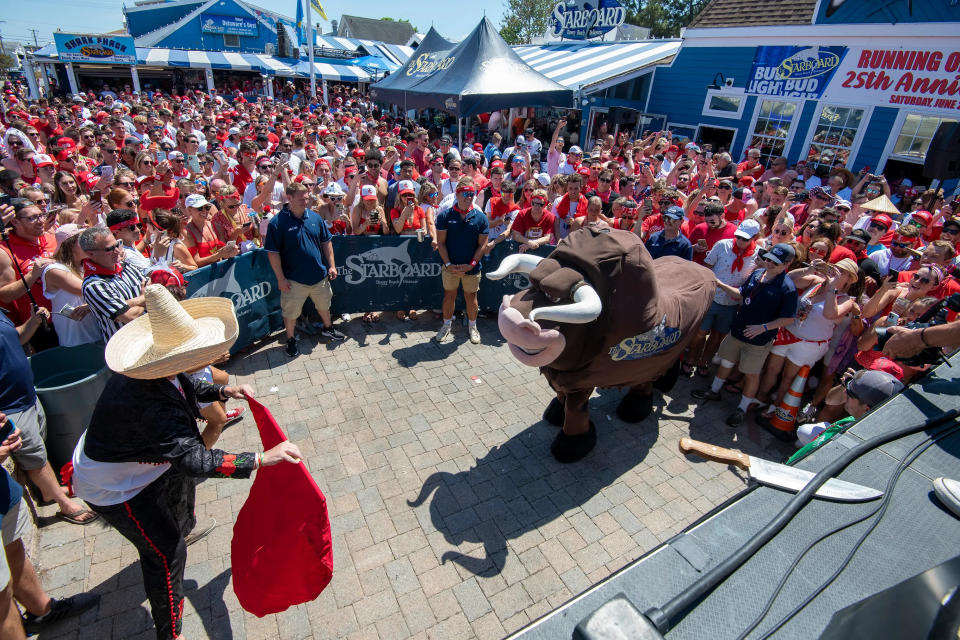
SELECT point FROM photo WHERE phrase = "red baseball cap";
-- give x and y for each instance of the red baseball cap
(882, 218)
(922, 215)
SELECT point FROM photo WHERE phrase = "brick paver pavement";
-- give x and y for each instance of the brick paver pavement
(450, 517)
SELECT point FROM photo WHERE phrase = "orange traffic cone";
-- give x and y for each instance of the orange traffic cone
(785, 415)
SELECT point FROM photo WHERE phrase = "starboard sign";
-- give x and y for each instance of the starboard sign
(585, 19)
(794, 72)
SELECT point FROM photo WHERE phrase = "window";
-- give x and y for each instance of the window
(231, 40)
(833, 137)
(772, 128)
(724, 104)
(915, 136)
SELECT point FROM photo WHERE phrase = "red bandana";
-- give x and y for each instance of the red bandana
(91, 268)
(563, 209)
(738, 261)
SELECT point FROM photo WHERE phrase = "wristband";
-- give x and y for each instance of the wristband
(257, 461)
(923, 338)
(765, 327)
(473, 263)
(447, 264)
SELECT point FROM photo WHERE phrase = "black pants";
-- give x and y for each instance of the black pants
(156, 521)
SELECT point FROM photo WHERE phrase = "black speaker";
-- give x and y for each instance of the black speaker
(943, 155)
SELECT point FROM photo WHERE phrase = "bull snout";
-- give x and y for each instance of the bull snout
(528, 342)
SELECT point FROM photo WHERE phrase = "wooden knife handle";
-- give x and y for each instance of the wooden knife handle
(717, 454)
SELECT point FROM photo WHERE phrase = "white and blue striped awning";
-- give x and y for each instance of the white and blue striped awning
(393, 53)
(590, 66)
(260, 63)
(333, 70)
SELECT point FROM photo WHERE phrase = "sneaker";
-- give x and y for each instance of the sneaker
(736, 418)
(807, 414)
(60, 610)
(234, 415)
(292, 349)
(344, 317)
(474, 335)
(705, 394)
(330, 333)
(443, 333)
(199, 533)
(948, 492)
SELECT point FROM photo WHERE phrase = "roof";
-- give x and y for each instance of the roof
(582, 66)
(393, 53)
(161, 57)
(372, 29)
(741, 13)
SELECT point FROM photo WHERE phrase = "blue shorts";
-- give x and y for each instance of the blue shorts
(719, 317)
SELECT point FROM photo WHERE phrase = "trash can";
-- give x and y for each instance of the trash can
(68, 382)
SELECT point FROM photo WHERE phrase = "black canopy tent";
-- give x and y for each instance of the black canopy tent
(480, 74)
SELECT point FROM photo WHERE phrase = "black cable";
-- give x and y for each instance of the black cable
(664, 617)
(881, 511)
(950, 430)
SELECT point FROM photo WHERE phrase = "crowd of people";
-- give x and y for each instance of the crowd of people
(105, 194)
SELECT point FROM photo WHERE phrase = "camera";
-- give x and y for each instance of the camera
(937, 315)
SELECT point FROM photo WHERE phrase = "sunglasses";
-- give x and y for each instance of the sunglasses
(537, 203)
(853, 243)
(467, 194)
(950, 230)
(724, 186)
(231, 206)
(373, 165)
(149, 163)
(112, 247)
(900, 245)
(607, 180)
(31, 219)
(880, 227)
(201, 163)
(781, 232)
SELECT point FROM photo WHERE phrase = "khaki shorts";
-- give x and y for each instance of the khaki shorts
(32, 423)
(16, 525)
(749, 356)
(451, 281)
(291, 302)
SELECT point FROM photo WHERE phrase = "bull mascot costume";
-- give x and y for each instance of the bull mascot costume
(600, 312)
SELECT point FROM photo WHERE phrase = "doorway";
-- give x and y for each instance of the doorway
(719, 138)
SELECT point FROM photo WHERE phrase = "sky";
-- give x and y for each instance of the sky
(17, 17)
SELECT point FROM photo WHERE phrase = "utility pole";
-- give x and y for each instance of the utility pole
(34, 32)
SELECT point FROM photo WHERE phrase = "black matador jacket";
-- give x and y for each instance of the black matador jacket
(150, 421)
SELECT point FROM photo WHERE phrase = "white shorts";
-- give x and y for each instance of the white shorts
(803, 352)
(204, 374)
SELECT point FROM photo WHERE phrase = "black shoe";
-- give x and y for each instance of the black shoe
(306, 327)
(332, 334)
(665, 383)
(568, 449)
(635, 406)
(736, 418)
(555, 413)
(292, 349)
(60, 610)
(705, 394)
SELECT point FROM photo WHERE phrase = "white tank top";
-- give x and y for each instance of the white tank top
(69, 332)
(815, 327)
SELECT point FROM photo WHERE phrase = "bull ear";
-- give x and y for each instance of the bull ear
(515, 263)
(586, 308)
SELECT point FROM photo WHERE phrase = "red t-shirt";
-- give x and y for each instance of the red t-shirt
(651, 224)
(712, 236)
(754, 173)
(733, 216)
(530, 229)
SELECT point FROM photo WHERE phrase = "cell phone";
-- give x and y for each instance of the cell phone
(66, 310)
(106, 171)
(161, 156)
(894, 275)
(893, 319)
(7, 430)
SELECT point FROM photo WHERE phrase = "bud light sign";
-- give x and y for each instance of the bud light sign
(585, 19)
(793, 72)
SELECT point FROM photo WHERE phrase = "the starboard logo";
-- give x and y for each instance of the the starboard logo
(586, 19)
(228, 286)
(646, 344)
(387, 265)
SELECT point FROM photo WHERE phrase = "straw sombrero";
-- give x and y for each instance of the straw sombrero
(172, 337)
(883, 204)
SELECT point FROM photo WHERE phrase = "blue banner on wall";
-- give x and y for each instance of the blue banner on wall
(887, 11)
(585, 19)
(375, 273)
(793, 72)
(230, 25)
(95, 48)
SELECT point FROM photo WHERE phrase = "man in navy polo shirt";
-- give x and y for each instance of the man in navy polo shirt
(769, 301)
(461, 239)
(300, 253)
(669, 241)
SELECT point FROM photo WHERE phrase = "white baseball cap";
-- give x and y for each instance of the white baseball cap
(195, 201)
(367, 192)
(747, 229)
(405, 186)
(333, 189)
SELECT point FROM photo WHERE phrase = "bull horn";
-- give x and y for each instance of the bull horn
(515, 263)
(586, 308)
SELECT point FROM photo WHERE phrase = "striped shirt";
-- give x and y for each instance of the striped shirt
(108, 295)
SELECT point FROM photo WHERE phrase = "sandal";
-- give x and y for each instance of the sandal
(686, 368)
(74, 518)
(703, 370)
(732, 387)
(401, 315)
(375, 316)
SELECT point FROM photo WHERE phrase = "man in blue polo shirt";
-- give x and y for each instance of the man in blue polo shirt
(461, 239)
(669, 241)
(769, 301)
(300, 253)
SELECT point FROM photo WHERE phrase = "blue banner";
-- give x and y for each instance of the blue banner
(95, 48)
(375, 273)
(793, 72)
(230, 25)
(585, 19)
